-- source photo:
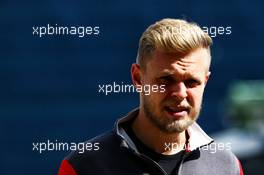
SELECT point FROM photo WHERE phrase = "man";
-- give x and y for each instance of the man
(161, 136)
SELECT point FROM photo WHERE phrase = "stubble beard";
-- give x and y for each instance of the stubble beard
(165, 124)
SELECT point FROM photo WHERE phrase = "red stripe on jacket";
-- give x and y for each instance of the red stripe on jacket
(66, 169)
(240, 168)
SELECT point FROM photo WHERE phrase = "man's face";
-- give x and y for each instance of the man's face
(184, 78)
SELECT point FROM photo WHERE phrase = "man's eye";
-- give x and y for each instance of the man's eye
(192, 83)
(166, 80)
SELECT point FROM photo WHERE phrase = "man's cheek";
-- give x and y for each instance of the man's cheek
(154, 100)
(196, 103)
(194, 98)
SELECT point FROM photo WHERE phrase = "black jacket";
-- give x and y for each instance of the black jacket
(117, 155)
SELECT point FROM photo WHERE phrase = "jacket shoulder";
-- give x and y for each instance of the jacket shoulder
(99, 143)
(101, 146)
(212, 159)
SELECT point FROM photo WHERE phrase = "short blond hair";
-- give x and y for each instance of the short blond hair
(172, 36)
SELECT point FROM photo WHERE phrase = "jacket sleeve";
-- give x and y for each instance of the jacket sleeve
(66, 169)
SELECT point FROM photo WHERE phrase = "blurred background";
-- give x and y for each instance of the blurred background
(49, 84)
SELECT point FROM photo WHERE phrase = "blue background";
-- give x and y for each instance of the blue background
(49, 85)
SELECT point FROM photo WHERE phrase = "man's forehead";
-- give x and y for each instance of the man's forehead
(194, 55)
(173, 72)
(161, 54)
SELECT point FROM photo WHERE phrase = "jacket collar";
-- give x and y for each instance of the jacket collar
(197, 137)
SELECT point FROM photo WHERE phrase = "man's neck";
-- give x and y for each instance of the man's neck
(154, 138)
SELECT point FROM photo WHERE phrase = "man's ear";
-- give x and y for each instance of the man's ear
(207, 76)
(136, 74)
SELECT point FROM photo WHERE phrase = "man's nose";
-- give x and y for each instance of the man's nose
(179, 91)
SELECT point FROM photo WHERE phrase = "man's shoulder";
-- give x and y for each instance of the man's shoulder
(219, 151)
(214, 159)
(107, 137)
(90, 156)
(101, 145)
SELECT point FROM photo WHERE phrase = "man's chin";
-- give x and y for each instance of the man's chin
(178, 126)
(176, 116)
(169, 122)
(175, 124)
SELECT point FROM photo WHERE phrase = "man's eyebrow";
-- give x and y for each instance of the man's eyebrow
(165, 73)
(168, 73)
(193, 76)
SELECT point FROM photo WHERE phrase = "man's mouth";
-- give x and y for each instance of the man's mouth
(177, 112)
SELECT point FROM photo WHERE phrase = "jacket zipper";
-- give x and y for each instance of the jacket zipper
(149, 160)
(182, 160)
(153, 162)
